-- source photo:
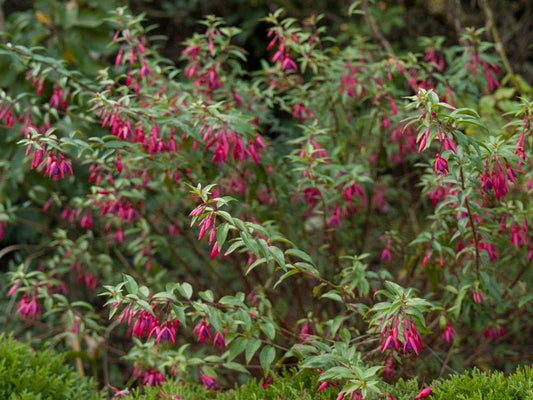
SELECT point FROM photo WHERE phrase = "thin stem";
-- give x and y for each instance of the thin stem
(374, 28)
(472, 224)
(498, 42)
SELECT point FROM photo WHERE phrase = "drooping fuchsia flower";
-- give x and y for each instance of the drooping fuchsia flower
(478, 296)
(267, 382)
(153, 377)
(424, 392)
(165, 332)
(449, 333)
(202, 331)
(118, 393)
(304, 332)
(412, 341)
(391, 342)
(441, 166)
(219, 340)
(28, 308)
(324, 385)
(494, 332)
(353, 396)
(209, 382)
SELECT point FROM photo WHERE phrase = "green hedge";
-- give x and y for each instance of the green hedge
(39, 375)
(27, 374)
(478, 385)
(474, 385)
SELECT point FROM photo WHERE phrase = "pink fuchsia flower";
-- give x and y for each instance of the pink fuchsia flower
(219, 340)
(118, 393)
(202, 331)
(449, 333)
(494, 332)
(389, 366)
(28, 308)
(478, 296)
(167, 332)
(267, 382)
(490, 249)
(385, 254)
(209, 382)
(152, 377)
(441, 166)
(86, 221)
(14, 288)
(517, 236)
(353, 396)
(424, 392)
(324, 385)
(391, 342)
(412, 341)
(144, 324)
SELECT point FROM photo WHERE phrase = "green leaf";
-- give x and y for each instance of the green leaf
(333, 295)
(131, 285)
(277, 254)
(267, 357)
(235, 367)
(222, 234)
(185, 290)
(300, 254)
(251, 348)
(268, 329)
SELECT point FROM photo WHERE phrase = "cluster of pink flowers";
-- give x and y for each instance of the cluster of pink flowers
(496, 177)
(405, 138)
(489, 70)
(478, 296)
(208, 223)
(391, 339)
(87, 277)
(133, 50)
(301, 112)
(226, 141)
(7, 115)
(202, 331)
(146, 324)
(59, 98)
(282, 54)
(350, 84)
(201, 67)
(150, 376)
(28, 308)
(494, 332)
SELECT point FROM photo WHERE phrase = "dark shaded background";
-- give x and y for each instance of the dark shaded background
(402, 21)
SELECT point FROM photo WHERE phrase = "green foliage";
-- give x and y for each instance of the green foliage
(473, 385)
(342, 207)
(291, 385)
(492, 385)
(29, 374)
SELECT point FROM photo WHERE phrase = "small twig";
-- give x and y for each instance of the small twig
(498, 42)
(472, 224)
(374, 28)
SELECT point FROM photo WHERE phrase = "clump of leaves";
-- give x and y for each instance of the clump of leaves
(29, 374)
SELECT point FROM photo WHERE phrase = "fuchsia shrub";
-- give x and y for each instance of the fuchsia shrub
(343, 209)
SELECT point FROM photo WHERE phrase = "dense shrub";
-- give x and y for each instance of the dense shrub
(343, 208)
(43, 374)
(292, 385)
(473, 385)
